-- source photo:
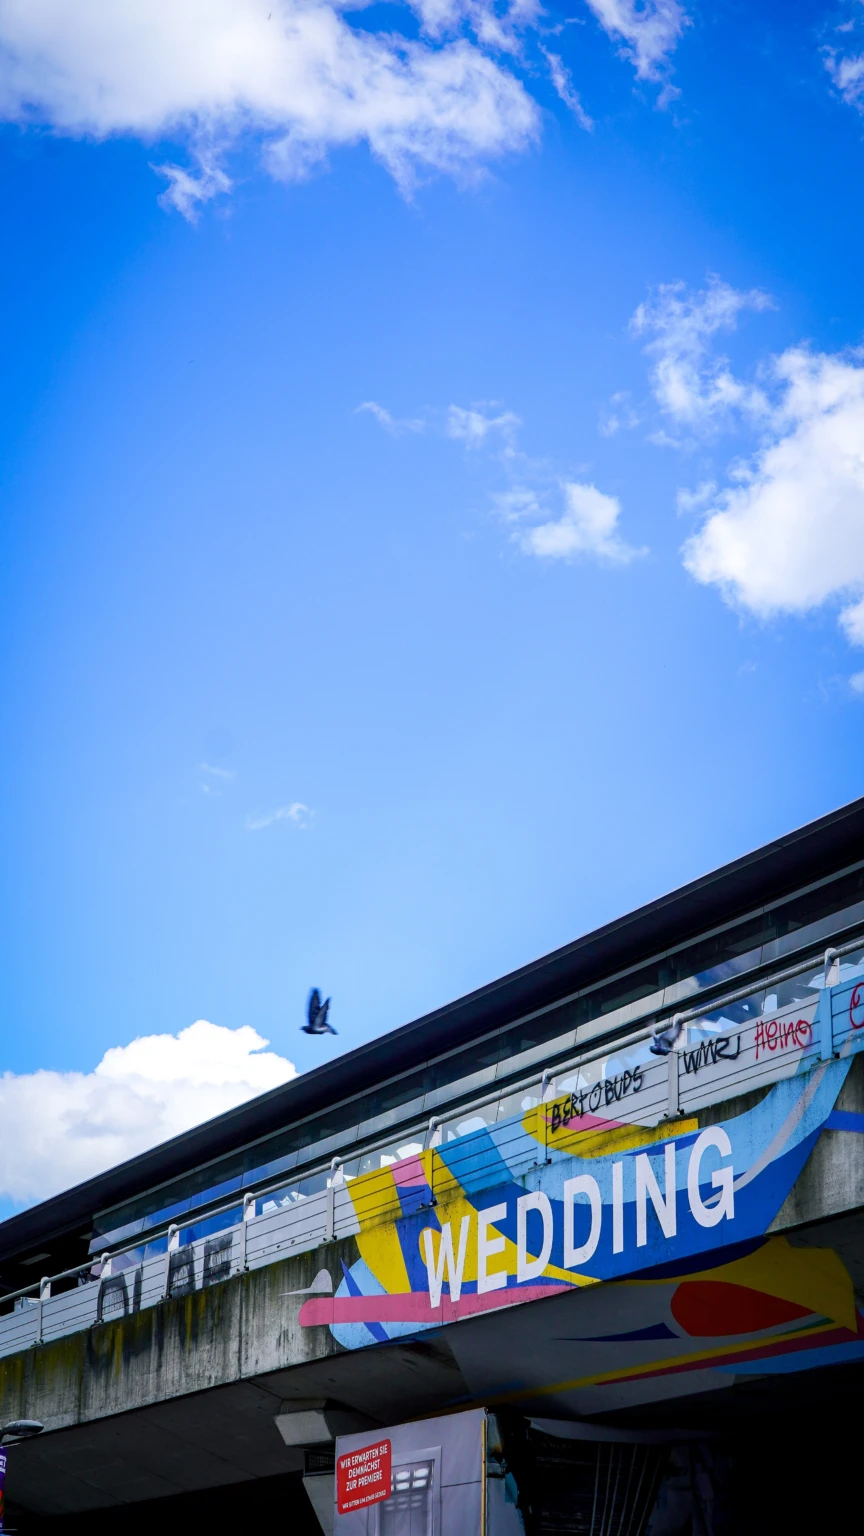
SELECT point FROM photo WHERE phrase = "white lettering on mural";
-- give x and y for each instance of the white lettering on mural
(721, 1179)
(488, 1247)
(583, 1184)
(617, 1207)
(532, 1269)
(665, 1206)
(454, 1268)
(535, 1213)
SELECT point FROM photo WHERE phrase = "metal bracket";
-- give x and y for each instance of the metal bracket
(44, 1293)
(248, 1213)
(826, 1025)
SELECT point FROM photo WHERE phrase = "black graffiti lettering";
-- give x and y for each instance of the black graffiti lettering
(609, 1091)
(181, 1271)
(709, 1052)
(723, 1048)
(111, 1286)
(217, 1259)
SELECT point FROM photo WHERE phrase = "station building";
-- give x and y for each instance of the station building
(603, 1218)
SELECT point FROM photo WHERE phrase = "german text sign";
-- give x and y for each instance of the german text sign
(363, 1477)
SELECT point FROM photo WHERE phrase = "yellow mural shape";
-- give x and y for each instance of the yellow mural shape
(604, 1140)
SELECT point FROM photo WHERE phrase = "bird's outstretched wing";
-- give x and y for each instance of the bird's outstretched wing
(317, 1015)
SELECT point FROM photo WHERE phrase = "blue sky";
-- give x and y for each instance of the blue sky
(433, 507)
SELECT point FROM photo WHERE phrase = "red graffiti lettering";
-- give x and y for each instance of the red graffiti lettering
(854, 1004)
(783, 1035)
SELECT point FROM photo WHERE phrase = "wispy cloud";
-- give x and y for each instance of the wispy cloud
(296, 814)
(587, 526)
(691, 501)
(188, 191)
(551, 515)
(215, 780)
(620, 414)
(396, 425)
(563, 83)
(474, 424)
(648, 31)
(692, 386)
(847, 73)
(844, 59)
(471, 425)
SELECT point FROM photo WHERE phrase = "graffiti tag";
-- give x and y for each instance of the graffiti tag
(601, 1095)
(783, 1035)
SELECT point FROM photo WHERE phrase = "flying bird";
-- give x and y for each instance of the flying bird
(666, 1037)
(316, 1013)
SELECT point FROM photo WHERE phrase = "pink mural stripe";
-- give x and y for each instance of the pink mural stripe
(413, 1306)
(409, 1171)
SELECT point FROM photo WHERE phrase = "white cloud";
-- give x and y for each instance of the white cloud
(518, 503)
(217, 773)
(298, 814)
(847, 72)
(856, 682)
(648, 31)
(789, 536)
(495, 28)
(294, 72)
(587, 526)
(473, 425)
(691, 501)
(844, 65)
(620, 413)
(188, 192)
(694, 388)
(393, 424)
(563, 84)
(62, 1127)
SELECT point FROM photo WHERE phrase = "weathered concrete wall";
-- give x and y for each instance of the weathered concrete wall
(832, 1181)
(240, 1329)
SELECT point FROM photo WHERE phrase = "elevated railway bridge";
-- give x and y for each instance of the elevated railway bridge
(615, 1199)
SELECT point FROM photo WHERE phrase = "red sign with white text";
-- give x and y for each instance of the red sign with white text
(363, 1477)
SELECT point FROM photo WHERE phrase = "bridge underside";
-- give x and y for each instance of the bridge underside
(211, 1462)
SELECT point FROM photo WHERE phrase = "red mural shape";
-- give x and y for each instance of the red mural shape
(715, 1309)
(854, 1005)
